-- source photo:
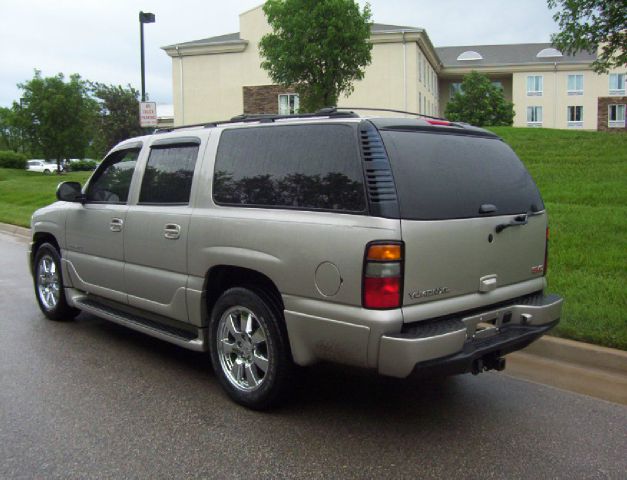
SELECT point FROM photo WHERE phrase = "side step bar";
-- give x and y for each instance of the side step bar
(177, 336)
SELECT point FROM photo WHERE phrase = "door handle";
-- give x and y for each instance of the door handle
(172, 231)
(116, 224)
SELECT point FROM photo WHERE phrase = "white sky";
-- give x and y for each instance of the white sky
(99, 39)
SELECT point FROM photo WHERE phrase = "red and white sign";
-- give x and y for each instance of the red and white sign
(148, 114)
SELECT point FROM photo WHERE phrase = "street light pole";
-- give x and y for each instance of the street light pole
(144, 17)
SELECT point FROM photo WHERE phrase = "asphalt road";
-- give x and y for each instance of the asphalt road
(90, 399)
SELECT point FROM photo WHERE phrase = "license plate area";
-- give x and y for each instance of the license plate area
(486, 324)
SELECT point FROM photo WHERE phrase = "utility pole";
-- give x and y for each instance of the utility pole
(144, 17)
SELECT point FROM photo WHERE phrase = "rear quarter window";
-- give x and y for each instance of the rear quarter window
(309, 167)
(445, 176)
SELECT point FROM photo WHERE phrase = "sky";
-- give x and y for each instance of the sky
(99, 39)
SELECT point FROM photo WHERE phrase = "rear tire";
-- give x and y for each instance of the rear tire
(48, 279)
(249, 348)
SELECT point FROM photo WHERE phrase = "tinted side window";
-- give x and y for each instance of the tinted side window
(169, 174)
(112, 180)
(295, 166)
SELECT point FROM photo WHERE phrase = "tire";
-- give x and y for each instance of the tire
(46, 172)
(247, 335)
(48, 282)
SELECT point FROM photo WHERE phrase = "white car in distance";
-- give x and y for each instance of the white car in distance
(41, 166)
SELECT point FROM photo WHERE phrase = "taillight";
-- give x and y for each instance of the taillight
(546, 252)
(383, 275)
(438, 122)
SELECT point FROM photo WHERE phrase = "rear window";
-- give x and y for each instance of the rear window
(310, 167)
(442, 176)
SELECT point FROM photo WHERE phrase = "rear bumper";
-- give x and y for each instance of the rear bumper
(455, 345)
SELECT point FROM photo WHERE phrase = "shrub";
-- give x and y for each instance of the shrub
(11, 159)
(83, 166)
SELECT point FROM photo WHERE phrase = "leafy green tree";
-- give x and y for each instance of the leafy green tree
(57, 116)
(588, 24)
(118, 117)
(10, 137)
(480, 103)
(318, 47)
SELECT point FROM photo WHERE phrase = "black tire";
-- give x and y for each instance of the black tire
(277, 378)
(60, 310)
(47, 172)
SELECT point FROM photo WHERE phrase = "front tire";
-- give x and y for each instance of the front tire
(249, 348)
(49, 284)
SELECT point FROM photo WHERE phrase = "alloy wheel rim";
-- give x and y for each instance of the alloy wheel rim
(48, 282)
(243, 348)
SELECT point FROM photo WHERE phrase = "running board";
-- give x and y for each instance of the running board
(177, 336)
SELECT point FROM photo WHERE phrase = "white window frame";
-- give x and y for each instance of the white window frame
(537, 92)
(574, 109)
(575, 91)
(616, 91)
(536, 122)
(616, 123)
(296, 103)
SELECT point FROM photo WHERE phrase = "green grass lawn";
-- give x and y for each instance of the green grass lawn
(583, 180)
(22, 192)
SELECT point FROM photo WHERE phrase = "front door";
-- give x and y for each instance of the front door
(95, 229)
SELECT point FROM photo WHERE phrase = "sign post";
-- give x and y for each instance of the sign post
(147, 114)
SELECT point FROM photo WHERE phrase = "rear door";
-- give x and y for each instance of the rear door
(456, 193)
(155, 237)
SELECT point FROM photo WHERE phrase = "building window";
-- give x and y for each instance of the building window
(288, 104)
(419, 102)
(575, 84)
(575, 116)
(534, 116)
(534, 85)
(617, 84)
(616, 116)
(456, 87)
(420, 67)
(498, 84)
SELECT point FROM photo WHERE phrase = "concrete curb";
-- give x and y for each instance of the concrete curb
(575, 366)
(15, 230)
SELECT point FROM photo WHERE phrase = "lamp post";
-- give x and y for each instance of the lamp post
(144, 17)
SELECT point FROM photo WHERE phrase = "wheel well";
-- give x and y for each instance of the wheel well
(222, 277)
(39, 239)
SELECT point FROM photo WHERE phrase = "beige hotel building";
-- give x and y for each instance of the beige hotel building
(219, 77)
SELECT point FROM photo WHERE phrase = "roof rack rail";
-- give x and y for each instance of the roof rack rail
(395, 111)
(331, 112)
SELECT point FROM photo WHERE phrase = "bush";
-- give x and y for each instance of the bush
(83, 166)
(11, 159)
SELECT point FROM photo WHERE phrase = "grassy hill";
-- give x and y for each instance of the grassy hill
(583, 180)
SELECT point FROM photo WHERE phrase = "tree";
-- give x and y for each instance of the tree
(10, 138)
(588, 24)
(118, 118)
(480, 103)
(56, 116)
(318, 47)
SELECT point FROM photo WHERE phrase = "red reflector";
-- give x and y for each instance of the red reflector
(546, 251)
(439, 122)
(382, 292)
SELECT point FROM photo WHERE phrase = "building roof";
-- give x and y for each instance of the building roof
(235, 37)
(513, 54)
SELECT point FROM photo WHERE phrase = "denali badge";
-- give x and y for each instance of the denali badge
(432, 292)
(537, 269)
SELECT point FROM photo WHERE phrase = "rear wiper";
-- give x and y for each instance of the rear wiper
(519, 220)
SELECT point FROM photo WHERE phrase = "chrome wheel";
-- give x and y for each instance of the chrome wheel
(242, 347)
(48, 282)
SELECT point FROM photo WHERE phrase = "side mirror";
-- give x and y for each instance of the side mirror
(70, 192)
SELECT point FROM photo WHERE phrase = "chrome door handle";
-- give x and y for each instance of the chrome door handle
(116, 224)
(172, 231)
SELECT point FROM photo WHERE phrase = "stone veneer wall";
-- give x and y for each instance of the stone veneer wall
(603, 112)
(263, 98)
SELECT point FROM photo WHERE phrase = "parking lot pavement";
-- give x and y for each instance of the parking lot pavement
(90, 399)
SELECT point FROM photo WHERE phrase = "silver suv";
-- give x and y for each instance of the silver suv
(397, 244)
